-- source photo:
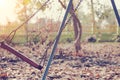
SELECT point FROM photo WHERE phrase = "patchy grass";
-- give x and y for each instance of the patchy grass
(20, 39)
(67, 37)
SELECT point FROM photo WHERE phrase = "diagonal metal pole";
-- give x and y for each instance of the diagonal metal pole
(116, 11)
(56, 41)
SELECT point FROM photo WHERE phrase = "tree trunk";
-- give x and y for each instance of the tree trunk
(77, 27)
(26, 25)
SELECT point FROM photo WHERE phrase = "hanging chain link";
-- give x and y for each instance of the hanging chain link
(10, 37)
(51, 43)
(67, 22)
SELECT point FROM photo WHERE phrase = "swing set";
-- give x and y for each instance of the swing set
(65, 21)
(116, 11)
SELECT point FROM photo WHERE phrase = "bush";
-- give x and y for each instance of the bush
(91, 39)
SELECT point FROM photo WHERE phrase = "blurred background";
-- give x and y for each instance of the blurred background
(96, 16)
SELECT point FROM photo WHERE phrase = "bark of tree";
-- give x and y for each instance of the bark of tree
(77, 27)
(26, 25)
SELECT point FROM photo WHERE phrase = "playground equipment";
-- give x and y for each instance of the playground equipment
(9, 38)
(116, 11)
(63, 24)
(7, 47)
(15, 52)
(56, 41)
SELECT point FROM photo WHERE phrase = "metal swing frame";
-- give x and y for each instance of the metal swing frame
(116, 11)
(26, 59)
(14, 51)
(57, 40)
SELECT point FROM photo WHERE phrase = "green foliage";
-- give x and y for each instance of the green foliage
(67, 37)
(25, 2)
(21, 39)
(38, 4)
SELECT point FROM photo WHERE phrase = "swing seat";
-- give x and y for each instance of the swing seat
(20, 55)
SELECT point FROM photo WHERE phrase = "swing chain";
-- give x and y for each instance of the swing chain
(15, 30)
(51, 43)
(67, 22)
(43, 59)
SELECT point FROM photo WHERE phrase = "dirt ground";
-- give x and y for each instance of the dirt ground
(100, 62)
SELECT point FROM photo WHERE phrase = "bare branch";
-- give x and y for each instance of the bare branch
(62, 4)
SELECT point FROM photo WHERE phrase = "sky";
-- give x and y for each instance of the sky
(8, 13)
(56, 12)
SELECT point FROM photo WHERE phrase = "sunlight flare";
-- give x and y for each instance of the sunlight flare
(7, 11)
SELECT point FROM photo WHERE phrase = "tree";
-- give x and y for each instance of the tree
(93, 17)
(30, 9)
(77, 27)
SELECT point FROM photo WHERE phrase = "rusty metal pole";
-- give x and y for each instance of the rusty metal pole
(117, 15)
(57, 40)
